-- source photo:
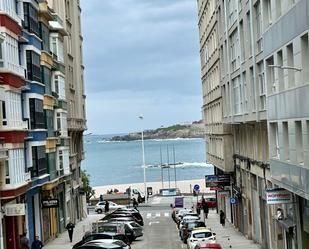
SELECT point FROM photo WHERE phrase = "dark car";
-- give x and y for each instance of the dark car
(104, 244)
(188, 227)
(94, 236)
(132, 226)
(135, 214)
(119, 228)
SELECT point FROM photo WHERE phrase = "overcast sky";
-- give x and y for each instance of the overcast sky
(141, 58)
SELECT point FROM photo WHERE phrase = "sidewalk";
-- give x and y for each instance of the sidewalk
(63, 242)
(228, 236)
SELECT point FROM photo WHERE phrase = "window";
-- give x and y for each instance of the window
(61, 122)
(12, 109)
(10, 56)
(286, 143)
(274, 140)
(36, 114)
(44, 34)
(245, 91)
(305, 57)
(59, 86)
(39, 164)
(46, 79)
(278, 8)
(267, 13)
(271, 84)
(299, 142)
(49, 114)
(280, 71)
(33, 66)
(232, 10)
(56, 45)
(253, 91)
(236, 94)
(262, 87)
(290, 62)
(242, 41)
(259, 27)
(4, 120)
(31, 22)
(7, 172)
(234, 50)
(249, 40)
(16, 166)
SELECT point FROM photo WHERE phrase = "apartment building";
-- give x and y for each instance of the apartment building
(258, 60)
(39, 188)
(286, 58)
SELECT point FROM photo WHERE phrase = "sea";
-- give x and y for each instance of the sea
(118, 162)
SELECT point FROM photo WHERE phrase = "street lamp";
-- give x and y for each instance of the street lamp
(144, 164)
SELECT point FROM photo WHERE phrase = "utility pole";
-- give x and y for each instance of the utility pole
(162, 180)
(174, 167)
(168, 165)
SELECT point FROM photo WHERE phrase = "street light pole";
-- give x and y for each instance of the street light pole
(144, 164)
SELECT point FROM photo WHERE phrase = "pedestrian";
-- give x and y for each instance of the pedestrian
(37, 243)
(135, 203)
(205, 209)
(106, 207)
(24, 241)
(222, 218)
(70, 227)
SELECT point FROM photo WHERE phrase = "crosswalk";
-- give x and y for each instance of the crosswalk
(157, 215)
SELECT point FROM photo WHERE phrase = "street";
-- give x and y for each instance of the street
(160, 231)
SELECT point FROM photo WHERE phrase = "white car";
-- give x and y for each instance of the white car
(100, 206)
(181, 212)
(200, 236)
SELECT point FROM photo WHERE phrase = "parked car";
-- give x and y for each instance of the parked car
(107, 227)
(88, 236)
(133, 212)
(200, 236)
(187, 218)
(188, 227)
(127, 215)
(104, 244)
(100, 206)
(208, 246)
(211, 201)
(131, 227)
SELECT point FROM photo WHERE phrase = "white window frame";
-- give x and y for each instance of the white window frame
(56, 46)
(58, 85)
(61, 123)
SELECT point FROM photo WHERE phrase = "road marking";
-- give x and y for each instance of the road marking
(166, 214)
(153, 222)
(148, 216)
(158, 214)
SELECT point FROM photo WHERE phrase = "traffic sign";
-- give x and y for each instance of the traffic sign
(233, 200)
(196, 187)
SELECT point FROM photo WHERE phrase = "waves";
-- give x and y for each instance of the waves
(105, 141)
(184, 165)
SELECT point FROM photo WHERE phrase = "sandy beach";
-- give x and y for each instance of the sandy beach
(185, 186)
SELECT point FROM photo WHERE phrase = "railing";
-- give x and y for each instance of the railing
(15, 68)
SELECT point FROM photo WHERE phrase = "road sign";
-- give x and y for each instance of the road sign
(196, 187)
(233, 200)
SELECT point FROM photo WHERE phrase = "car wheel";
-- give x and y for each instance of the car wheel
(99, 211)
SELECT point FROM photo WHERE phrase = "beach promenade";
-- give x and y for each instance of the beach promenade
(184, 186)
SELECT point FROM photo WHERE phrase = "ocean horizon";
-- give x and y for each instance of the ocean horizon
(119, 162)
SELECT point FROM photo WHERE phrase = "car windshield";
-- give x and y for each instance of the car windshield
(133, 224)
(111, 229)
(202, 235)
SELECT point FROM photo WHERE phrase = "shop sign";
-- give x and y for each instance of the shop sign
(50, 203)
(278, 196)
(217, 181)
(15, 209)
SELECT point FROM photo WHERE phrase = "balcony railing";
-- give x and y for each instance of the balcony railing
(15, 68)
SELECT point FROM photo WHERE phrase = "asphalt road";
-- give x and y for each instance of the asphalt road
(160, 231)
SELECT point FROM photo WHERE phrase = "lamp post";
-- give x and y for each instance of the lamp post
(144, 164)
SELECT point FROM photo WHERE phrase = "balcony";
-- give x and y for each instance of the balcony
(57, 25)
(45, 11)
(76, 124)
(13, 68)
